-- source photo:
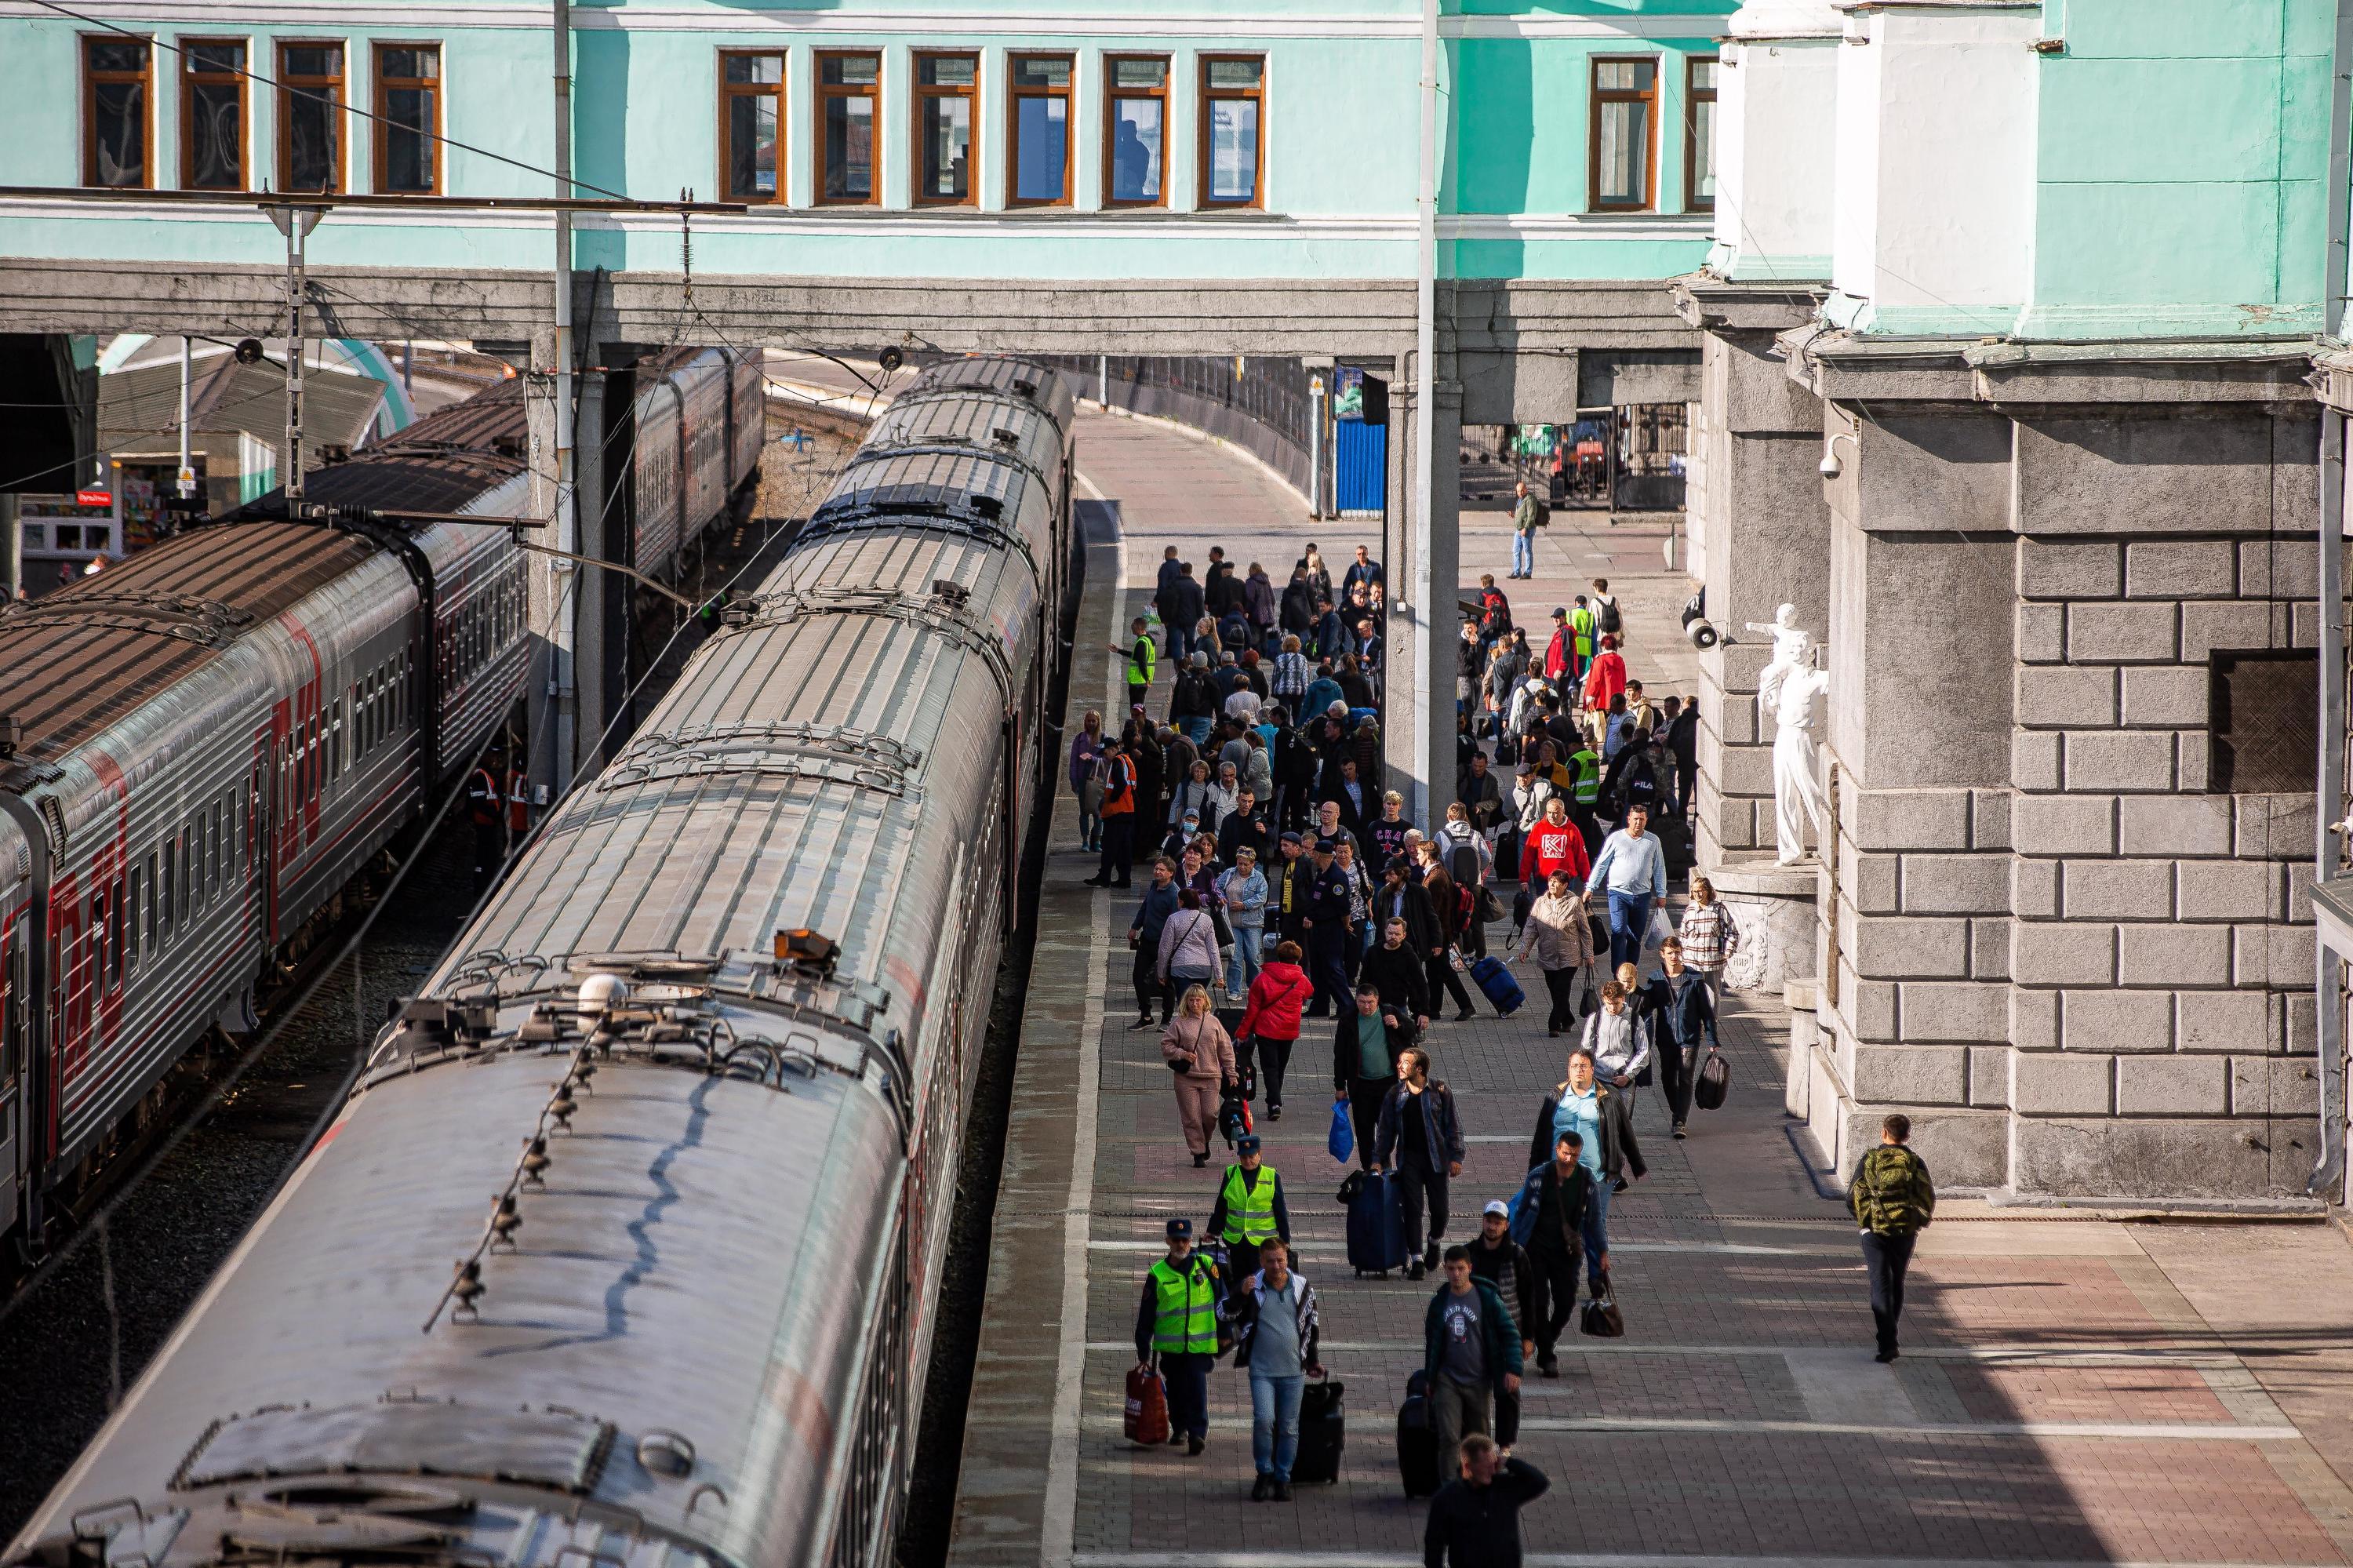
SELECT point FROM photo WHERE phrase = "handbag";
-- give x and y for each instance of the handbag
(1601, 1318)
(1714, 1082)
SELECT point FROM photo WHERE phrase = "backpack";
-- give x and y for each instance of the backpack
(1609, 620)
(1544, 513)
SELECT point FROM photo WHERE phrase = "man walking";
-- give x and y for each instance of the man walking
(1275, 1335)
(1366, 1044)
(1680, 1011)
(1525, 513)
(1632, 869)
(1474, 1522)
(1249, 1212)
(1547, 1218)
(1178, 1321)
(1470, 1347)
(1893, 1200)
(1503, 1263)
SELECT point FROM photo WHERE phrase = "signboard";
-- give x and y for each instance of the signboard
(1349, 393)
(93, 498)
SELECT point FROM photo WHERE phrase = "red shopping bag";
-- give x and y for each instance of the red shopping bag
(1148, 1406)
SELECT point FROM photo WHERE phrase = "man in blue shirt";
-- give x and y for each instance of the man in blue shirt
(1632, 869)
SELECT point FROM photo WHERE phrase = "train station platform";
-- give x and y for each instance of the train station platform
(2075, 1388)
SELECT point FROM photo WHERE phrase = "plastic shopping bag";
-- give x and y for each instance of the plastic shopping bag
(1343, 1141)
(1659, 929)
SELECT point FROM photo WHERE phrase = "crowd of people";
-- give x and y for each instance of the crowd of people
(1284, 883)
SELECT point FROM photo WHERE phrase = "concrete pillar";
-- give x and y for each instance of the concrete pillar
(549, 590)
(1418, 738)
(596, 624)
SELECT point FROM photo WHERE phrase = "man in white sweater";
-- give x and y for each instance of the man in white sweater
(1632, 869)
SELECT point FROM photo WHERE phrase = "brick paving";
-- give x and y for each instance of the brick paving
(2074, 1389)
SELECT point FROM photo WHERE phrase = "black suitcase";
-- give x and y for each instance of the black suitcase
(1417, 1445)
(1322, 1433)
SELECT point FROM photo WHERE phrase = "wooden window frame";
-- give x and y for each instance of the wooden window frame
(916, 149)
(92, 78)
(1205, 95)
(1111, 98)
(288, 85)
(1595, 97)
(820, 96)
(1014, 95)
(190, 77)
(728, 93)
(381, 88)
(1693, 95)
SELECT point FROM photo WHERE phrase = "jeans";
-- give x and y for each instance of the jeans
(1180, 642)
(1197, 727)
(1629, 913)
(1089, 830)
(1523, 551)
(1886, 1257)
(1597, 1234)
(1243, 966)
(1187, 1376)
(1274, 1422)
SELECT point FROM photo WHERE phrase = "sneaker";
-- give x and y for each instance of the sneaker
(1260, 1488)
(1274, 1113)
(1679, 1130)
(1200, 1161)
(1413, 1268)
(1620, 1185)
(1465, 1016)
(1195, 1443)
(1282, 1491)
(1430, 1254)
(1884, 1357)
(1547, 1366)
(1140, 1024)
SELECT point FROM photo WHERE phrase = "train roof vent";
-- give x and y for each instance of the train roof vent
(1026, 388)
(1005, 437)
(403, 1436)
(988, 506)
(949, 590)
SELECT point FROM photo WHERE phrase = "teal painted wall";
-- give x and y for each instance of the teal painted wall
(2182, 150)
(1342, 120)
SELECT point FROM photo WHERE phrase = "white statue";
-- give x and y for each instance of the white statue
(1787, 690)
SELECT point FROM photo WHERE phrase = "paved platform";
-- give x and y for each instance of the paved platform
(2076, 1389)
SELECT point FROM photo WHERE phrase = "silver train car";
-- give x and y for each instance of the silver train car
(628, 1245)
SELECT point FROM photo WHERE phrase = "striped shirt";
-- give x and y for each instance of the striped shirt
(1709, 936)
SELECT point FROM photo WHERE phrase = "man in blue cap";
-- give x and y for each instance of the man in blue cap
(1326, 927)
(1248, 1213)
(1178, 1321)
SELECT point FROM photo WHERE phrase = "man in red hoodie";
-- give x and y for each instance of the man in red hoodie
(1271, 1017)
(1555, 844)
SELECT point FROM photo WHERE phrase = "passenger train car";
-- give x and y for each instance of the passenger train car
(202, 745)
(627, 1248)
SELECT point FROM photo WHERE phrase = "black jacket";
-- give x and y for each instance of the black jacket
(1410, 904)
(1620, 1152)
(1441, 1134)
(1479, 1527)
(1246, 830)
(1224, 594)
(1298, 609)
(1195, 696)
(1344, 1059)
(1294, 763)
(1399, 974)
(1679, 1019)
(1505, 1267)
(1181, 603)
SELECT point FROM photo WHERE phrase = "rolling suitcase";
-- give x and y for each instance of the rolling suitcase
(1322, 1433)
(1417, 1445)
(1375, 1222)
(1147, 1407)
(1504, 992)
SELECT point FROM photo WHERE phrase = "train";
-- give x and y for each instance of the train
(627, 1244)
(201, 746)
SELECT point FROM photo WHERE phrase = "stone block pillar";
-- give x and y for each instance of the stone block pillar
(1418, 738)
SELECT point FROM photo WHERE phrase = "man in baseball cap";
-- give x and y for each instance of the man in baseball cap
(1504, 1262)
(1178, 1321)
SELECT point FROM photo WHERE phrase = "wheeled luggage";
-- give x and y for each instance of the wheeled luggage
(1714, 1079)
(1233, 1115)
(1322, 1433)
(1148, 1406)
(1375, 1222)
(1502, 992)
(1417, 1445)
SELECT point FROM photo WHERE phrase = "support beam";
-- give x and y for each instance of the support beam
(550, 588)
(1417, 740)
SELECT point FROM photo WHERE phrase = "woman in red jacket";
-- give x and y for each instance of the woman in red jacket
(1606, 679)
(1271, 1017)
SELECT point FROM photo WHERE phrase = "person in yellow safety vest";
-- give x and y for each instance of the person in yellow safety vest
(485, 810)
(1584, 789)
(1582, 625)
(1250, 1210)
(1143, 660)
(1177, 1322)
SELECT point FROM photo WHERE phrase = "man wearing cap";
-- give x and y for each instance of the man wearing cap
(1286, 895)
(1557, 652)
(1250, 1210)
(1326, 926)
(1503, 1263)
(1178, 1321)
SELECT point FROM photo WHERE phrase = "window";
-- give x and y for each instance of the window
(1622, 168)
(1039, 131)
(1232, 150)
(946, 92)
(1699, 136)
(2262, 723)
(117, 140)
(212, 115)
(1136, 125)
(311, 117)
(848, 88)
(409, 125)
(751, 117)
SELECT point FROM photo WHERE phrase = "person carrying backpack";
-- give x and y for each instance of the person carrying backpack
(1528, 515)
(1893, 1200)
(1606, 616)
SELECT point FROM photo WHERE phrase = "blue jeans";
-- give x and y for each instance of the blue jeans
(1197, 727)
(1523, 551)
(1243, 967)
(1597, 1233)
(1629, 913)
(1274, 1422)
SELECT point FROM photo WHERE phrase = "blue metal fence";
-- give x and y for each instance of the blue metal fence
(1360, 467)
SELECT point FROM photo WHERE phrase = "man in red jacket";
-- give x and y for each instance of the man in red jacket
(1555, 843)
(1559, 651)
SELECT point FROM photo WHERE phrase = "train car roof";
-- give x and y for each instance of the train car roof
(74, 662)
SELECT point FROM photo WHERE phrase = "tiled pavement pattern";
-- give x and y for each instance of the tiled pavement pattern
(2076, 1389)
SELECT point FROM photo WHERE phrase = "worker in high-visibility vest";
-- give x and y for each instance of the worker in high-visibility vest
(1250, 1211)
(1177, 1323)
(1584, 790)
(485, 810)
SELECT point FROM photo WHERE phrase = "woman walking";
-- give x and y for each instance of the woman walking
(1709, 936)
(1271, 1017)
(1086, 778)
(1243, 891)
(1198, 1049)
(1189, 946)
(1560, 938)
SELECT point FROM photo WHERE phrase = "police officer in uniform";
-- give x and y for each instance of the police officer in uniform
(1326, 926)
(1178, 1321)
(1250, 1211)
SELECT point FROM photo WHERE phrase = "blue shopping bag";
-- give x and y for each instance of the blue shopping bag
(1343, 1141)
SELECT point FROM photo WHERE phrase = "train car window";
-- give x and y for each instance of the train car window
(163, 891)
(114, 934)
(147, 909)
(187, 873)
(12, 1005)
(133, 911)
